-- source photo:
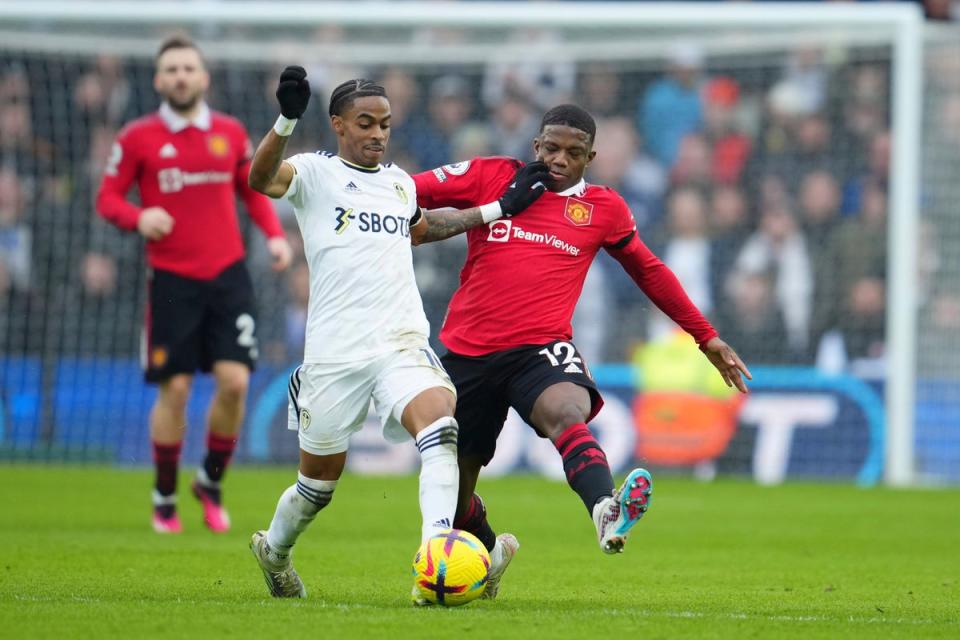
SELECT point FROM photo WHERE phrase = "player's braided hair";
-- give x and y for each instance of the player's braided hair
(570, 115)
(345, 93)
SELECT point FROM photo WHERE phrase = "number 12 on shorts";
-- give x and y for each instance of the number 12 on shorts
(563, 354)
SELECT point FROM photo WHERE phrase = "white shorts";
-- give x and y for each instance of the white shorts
(329, 402)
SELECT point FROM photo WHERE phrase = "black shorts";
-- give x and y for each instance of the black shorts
(190, 324)
(487, 386)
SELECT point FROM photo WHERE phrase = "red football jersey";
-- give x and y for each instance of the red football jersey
(523, 275)
(193, 170)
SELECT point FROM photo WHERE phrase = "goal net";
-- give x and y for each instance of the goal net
(753, 147)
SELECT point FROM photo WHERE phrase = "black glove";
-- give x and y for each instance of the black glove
(293, 94)
(527, 186)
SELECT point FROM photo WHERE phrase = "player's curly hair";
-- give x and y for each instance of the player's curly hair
(345, 93)
(571, 115)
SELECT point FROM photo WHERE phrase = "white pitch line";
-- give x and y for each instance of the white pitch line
(345, 606)
(777, 618)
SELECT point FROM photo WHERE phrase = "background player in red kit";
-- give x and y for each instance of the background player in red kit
(508, 329)
(190, 163)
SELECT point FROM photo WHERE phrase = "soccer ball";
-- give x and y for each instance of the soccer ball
(450, 568)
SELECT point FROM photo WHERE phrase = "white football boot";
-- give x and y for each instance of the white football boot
(614, 516)
(503, 552)
(417, 598)
(278, 572)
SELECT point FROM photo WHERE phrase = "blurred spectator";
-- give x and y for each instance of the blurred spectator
(730, 227)
(514, 126)
(406, 119)
(864, 107)
(942, 9)
(671, 107)
(473, 140)
(687, 253)
(862, 321)
(98, 275)
(820, 210)
(600, 90)
(811, 149)
(621, 164)
(449, 108)
(102, 95)
(754, 325)
(731, 149)
(806, 74)
(854, 263)
(779, 249)
(539, 82)
(93, 319)
(694, 164)
(877, 172)
(29, 156)
(16, 242)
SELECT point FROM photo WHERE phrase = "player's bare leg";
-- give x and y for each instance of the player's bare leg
(223, 419)
(167, 426)
(297, 508)
(429, 419)
(561, 413)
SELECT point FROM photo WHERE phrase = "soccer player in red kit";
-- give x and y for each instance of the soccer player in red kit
(508, 328)
(189, 163)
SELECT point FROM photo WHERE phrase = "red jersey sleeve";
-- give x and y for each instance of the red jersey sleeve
(121, 170)
(654, 278)
(258, 205)
(465, 184)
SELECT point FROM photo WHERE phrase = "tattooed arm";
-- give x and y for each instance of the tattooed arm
(439, 224)
(528, 185)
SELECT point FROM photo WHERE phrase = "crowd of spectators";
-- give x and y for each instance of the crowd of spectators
(762, 182)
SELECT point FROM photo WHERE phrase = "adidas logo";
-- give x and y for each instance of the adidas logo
(351, 188)
(573, 368)
(444, 523)
(168, 151)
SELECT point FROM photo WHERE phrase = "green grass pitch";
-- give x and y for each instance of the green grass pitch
(721, 560)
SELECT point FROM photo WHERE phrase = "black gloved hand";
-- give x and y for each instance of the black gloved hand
(527, 186)
(293, 94)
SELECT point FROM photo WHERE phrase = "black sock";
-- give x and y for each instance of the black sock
(474, 520)
(166, 460)
(585, 464)
(219, 451)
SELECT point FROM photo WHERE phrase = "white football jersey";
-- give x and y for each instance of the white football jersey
(355, 223)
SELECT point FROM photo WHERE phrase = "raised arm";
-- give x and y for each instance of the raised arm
(269, 174)
(439, 224)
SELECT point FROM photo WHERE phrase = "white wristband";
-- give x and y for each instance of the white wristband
(491, 211)
(284, 126)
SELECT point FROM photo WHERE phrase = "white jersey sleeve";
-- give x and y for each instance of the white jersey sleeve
(307, 180)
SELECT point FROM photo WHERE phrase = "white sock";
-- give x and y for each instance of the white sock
(439, 475)
(205, 480)
(297, 508)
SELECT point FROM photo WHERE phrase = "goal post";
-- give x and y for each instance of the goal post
(437, 39)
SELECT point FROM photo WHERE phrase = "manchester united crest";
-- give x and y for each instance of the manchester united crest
(577, 212)
(158, 357)
(218, 145)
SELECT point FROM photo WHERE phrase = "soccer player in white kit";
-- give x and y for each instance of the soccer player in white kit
(367, 335)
